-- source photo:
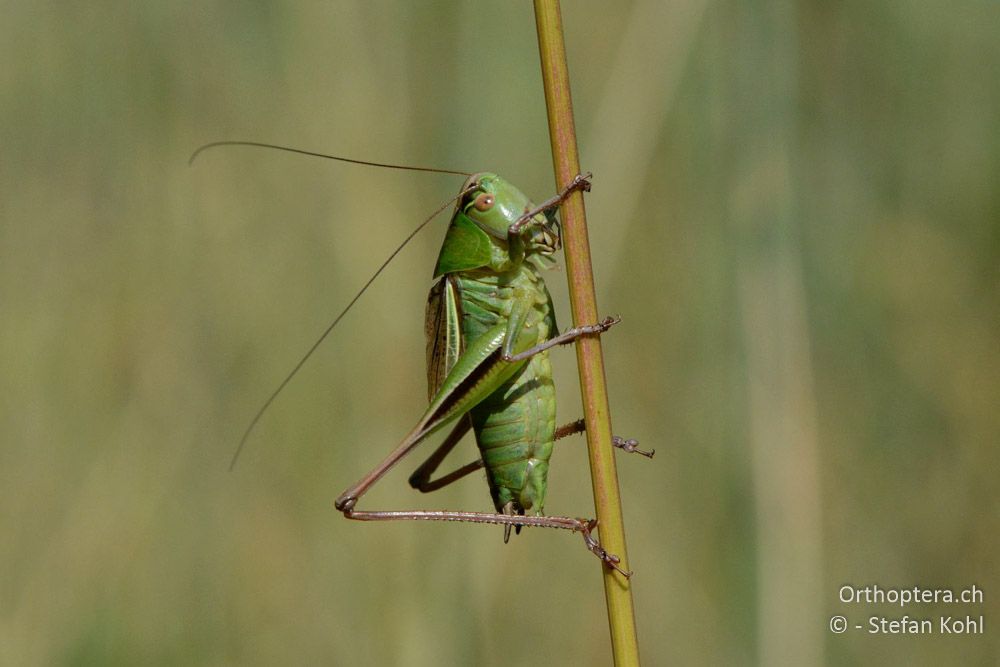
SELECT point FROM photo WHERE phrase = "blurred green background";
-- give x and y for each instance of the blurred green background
(795, 210)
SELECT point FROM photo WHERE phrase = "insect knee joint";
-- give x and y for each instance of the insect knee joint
(345, 505)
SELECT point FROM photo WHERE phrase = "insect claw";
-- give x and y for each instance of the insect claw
(612, 562)
(631, 446)
(595, 548)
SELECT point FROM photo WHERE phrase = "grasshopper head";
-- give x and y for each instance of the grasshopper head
(494, 205)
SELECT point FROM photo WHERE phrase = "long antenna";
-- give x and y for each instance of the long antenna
(300, 151)
(305, 357)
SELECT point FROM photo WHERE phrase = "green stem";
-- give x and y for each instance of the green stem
(607, 499)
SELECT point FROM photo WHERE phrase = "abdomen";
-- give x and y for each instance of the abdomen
(514, 428)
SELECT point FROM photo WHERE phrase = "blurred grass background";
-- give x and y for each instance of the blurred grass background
(795, 210)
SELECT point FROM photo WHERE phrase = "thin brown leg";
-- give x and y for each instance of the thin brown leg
(582, 526)
(629, 445)
(421, 477)
(565, 337)
(579, 182)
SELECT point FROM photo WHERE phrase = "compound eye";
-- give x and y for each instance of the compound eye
(484, 202)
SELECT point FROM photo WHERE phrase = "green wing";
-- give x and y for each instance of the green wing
(443, 328)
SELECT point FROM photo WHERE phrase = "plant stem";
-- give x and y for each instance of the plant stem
(590, 360)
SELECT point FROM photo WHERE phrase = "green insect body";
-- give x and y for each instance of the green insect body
(489, 324)
(492, 295)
